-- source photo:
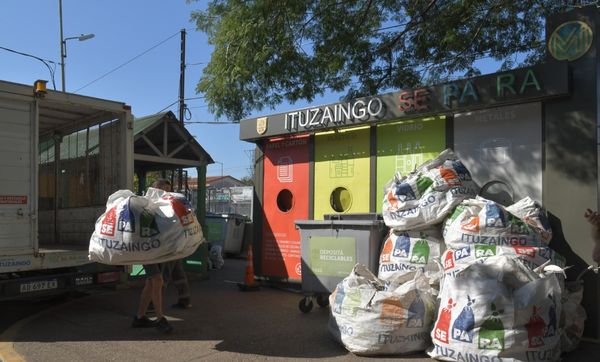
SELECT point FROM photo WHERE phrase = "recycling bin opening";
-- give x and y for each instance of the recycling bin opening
(340, 199)
(285, 200)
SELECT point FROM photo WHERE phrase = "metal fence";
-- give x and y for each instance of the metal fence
(229, 200)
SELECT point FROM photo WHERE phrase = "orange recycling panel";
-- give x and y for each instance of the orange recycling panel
(285, 199)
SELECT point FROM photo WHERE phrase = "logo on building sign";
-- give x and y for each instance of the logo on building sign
(261, 125)
(570, 41)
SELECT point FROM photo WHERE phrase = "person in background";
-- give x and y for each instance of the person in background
(152, 292)
(594, 219)
(173, 271)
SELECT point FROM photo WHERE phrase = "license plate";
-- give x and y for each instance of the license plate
(84, 280)
(39, 285)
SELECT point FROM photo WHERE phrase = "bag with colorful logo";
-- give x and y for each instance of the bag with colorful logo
(485, 222)
(428, 194)
(498, 310)
(533, 214)
(407, 251)
(371, 317)
(455, 260)
(154, 228)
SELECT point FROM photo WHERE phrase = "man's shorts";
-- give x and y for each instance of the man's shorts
(151, 270)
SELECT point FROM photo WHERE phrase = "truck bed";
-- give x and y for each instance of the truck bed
(49, 257)
(75, 229)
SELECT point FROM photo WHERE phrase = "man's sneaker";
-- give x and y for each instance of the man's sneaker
(163, 325)
(143, 322)
(182, 304)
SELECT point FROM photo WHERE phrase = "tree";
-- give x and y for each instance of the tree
(247, 181)
(270, 51)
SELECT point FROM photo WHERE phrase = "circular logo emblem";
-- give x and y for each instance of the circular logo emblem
(570, 41)
(298, 269)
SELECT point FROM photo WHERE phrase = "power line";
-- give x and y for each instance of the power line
(127, 62)
(212, 122)
(185, 99)
(45, 61)
(169, 106)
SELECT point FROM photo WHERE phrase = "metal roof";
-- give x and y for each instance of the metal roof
(64, 113)
(161, 142)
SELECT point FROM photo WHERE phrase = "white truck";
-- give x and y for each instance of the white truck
(61, 156)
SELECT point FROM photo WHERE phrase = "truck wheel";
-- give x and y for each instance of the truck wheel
(322, 300)
(305, 305)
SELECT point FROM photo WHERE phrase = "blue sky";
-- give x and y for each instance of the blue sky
(124, 29)
(133, 58)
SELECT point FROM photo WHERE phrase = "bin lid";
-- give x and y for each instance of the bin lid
(225, 216)
(333, 223)
(356, 216)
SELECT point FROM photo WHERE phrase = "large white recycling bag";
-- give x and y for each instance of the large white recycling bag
(427, 195)
(455, 260)
(370, 317)
(406, 251)
(154, 228)
(498, 310)
(532, 214)
(485, 222)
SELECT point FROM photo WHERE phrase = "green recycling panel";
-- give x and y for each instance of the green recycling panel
(401, 146)
(341, 172)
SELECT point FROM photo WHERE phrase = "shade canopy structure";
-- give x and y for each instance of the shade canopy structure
(161, 142)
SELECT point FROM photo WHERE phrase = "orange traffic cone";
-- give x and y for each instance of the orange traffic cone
(249, 284)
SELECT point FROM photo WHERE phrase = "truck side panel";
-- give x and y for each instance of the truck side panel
(17, 174)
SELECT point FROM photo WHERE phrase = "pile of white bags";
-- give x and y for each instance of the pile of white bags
(428, 194)
(377, 315)
(493, 305)
(154, 228)
(498, 310)
(372, 317)
(494, 302)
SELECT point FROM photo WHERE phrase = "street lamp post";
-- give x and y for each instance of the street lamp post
(63, 45)
(63, 55)
(221, 163)
(220, 201)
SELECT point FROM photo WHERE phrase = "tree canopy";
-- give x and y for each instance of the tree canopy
(270, 51)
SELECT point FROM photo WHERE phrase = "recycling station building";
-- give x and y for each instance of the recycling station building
(534, 129)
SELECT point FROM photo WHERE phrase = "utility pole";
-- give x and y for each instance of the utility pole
(182, 78)
(182, 94)
(62, 49)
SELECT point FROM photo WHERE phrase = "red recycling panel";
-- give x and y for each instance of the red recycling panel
(285, 199)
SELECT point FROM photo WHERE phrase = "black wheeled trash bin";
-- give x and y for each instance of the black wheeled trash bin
(330, 249)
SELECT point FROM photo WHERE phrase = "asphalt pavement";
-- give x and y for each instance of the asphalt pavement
(224, 324)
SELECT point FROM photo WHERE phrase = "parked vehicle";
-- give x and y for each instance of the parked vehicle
(61, 156)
